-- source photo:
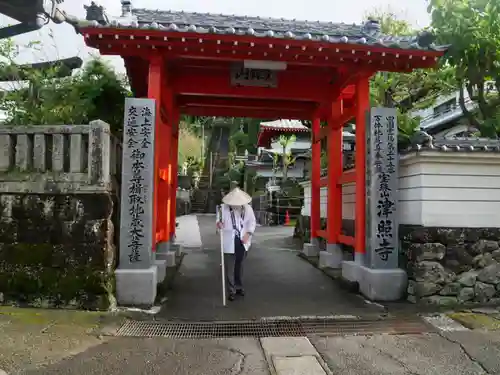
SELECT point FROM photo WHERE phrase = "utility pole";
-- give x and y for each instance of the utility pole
(211, 167)
(202, 139)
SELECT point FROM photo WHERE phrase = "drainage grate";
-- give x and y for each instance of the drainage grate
(281, 328)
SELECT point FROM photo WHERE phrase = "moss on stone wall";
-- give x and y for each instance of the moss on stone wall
(57, 250)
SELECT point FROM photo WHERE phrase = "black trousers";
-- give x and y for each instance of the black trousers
(233, 267)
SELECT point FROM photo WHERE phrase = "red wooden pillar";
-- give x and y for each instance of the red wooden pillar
(154, 92)
(315, 181)
(166, 159)
(174, 172)
(362, 105)
(334, 221)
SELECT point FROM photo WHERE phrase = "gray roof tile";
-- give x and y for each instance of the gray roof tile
(206, 23)
(456, 145)
(280, 28)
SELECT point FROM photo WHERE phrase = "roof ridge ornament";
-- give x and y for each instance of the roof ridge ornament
(127, 18)
(425, 39)
(126, 8)
(96, 13)
(372, 27)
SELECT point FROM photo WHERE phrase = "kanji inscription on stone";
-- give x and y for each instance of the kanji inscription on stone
(136, 216)
(383, 184)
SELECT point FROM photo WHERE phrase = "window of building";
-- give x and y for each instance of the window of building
(445, 107)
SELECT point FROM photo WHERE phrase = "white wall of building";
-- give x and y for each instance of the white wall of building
(299, 144)
(439, 189)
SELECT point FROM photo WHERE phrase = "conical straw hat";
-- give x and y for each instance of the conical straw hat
(236, 197)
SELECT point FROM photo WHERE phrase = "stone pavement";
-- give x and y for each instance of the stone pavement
(277, 282)
(45, 342)
(48, 350)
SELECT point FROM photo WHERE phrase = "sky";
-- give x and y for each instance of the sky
(61, 41)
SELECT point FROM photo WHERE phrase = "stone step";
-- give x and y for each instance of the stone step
(292, 355)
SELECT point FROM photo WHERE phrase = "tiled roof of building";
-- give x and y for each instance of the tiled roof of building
(284, 125)
(280, 28)
(424, 142)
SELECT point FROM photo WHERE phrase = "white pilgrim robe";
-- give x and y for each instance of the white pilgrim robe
(228, 233)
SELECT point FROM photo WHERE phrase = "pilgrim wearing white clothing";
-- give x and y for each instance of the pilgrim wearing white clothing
(237, 222)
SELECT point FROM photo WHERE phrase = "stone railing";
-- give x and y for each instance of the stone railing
(43, 158)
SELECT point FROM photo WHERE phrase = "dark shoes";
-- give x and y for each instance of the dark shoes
(232, 296)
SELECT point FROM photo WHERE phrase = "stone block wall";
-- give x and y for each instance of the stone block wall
(448, 266)
(57, 250)
(58, 210)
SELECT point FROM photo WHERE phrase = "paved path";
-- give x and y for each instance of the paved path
(41, 342)
(188, 231)
(277, 282)
(461, 353)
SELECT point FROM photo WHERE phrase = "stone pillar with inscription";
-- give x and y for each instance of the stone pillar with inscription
(137, 274)
(380, 276)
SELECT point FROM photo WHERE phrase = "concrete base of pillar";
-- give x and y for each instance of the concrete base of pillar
(337, 252)
(170, 259)
(310, 250)
(136, 287)
(162, 250)
(351, 271)
(315, 242)
(176, 248)
(161, 264)
(328, 260)
(331, 258)
(383, 284)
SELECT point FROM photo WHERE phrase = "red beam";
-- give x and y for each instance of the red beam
(323, 181)
(96, 35)
(346, 240)
(245, 112)
(322, 234)
(325, 130)
(290, 54)
(347, 177)
(205, 101)
(307, 87)
(394, 65)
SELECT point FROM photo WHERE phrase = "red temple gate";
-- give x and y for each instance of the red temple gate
(214, 65)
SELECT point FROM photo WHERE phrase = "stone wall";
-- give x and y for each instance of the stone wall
(447, 266)
(57, 250)
(58, 206)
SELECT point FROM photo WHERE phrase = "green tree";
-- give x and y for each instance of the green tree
(190, 146)
(287, 159)
(472, 28)
(407, 91)
(46, 96)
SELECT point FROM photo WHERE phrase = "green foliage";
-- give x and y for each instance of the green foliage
(407, 91)
(238, 141)
(472, 28)
(190, 146)
(44, 97)
(285, 141)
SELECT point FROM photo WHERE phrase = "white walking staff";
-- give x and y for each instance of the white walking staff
(221, 234)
